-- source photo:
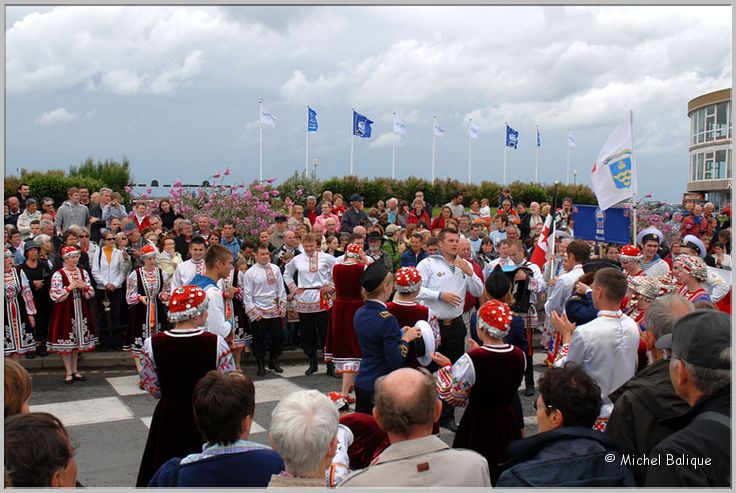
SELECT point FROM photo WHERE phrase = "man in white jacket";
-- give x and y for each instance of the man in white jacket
(108, 271)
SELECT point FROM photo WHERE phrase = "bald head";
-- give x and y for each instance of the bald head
(406, 403)
(360, 230)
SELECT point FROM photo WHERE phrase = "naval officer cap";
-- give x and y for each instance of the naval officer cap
(373, 276)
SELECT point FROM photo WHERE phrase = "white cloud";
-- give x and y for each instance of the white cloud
(385, 139)
(59, 116)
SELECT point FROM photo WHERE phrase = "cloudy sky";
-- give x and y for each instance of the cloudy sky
(176, 89)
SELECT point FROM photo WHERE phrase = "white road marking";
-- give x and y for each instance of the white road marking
(84, 412)
(126, 385)
(274, 389)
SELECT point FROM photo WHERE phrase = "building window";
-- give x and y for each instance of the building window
(719, 166)
(701, 125)
(699, 174)
(723, 120)
(692, 167)
(710, 123)
(729, 165)
(708, 175)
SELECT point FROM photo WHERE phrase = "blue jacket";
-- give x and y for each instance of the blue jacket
(379, 336)
(566, 457)
(580, 309)
(233, 246)
(517, 334)
(410, 259)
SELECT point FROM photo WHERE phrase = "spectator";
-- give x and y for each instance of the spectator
(695, 223)
(456, 205)
(355, 216)
(72, 212)
(485, 212)
(311, 211)
(30, 213)
(204, 225)
(140, 215)
(418, 213)
(38, 272)
(23, 193)
(720, 258)
(47, 207)
(184, 239)
(327, 214)
(511, 213)
(228, 239)
(114, 209)
(376, 252)
(406, 407)
(500, 221)
(95, 211)
(505, 195)
(38, 452)
(392, 210)
(403, 215)
(440, 222)
(224, 405)
(109, 273)
(338, 206)
(649, 396)
(486, 254)
(16, 246)
(607, 346)
(415, 253)
(566, 451)
(700, 370)
(562, 215)
(297, 218)
(474, 211)
(167, 214)
(14, 211)
(304, 433)
(18, 386)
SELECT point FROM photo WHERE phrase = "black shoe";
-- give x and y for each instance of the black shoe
(312, 366)
(275, 366)
(42, 351)
(529, 392)
(331, 370)
(69, 380)
(450, 425)
(261, 368)
(77, 377)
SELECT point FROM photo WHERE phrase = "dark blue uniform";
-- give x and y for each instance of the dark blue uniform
(379, 336)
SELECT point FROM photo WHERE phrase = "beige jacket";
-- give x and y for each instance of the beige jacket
(426, 461)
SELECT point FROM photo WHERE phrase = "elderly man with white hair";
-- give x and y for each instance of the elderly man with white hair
(304, 433)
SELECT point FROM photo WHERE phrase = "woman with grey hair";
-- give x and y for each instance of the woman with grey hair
(46, 249)
(304, 433)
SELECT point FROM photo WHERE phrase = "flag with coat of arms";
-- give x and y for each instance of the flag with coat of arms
(614, 173)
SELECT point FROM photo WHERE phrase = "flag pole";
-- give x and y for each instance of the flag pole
(434, 119)
(260, 139)
(306, 155)
(352, 141)
(536, 159)
(567, 176)
(393, 153)
(634, 181)
(505, 137)
(470, 151)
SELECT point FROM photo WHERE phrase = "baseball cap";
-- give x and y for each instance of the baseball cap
(699, 338)
(356, 198)
(392, 228)
(128, 228)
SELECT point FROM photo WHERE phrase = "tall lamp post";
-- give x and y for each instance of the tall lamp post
(315, 162)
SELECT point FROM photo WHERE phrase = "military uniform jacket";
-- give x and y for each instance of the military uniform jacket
(426, 461)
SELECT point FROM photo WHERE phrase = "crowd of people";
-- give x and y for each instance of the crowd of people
(416, 313)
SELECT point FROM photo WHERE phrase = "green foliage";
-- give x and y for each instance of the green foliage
(115, 175)
(306, 185)
(55, 185)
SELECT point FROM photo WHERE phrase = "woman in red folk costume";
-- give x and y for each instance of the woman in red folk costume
(408, 312)
(486, 380)
(19, 311)
(341, 345)
(147, 291)
(72, 326)
(691, 272)
(232, 294)
(630, 260)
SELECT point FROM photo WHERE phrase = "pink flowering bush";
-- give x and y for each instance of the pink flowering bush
(251, 209)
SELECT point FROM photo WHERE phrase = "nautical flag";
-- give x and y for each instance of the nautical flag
(512, 137)
(571, 140)
(614, 172)
(539, 139)
(312, 125)
(361, 125)
(473, 131)
(539, 255)
(268, 119)
(399, 127)
(438, 132)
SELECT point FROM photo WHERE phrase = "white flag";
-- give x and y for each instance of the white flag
(614, 172)
(571, 140)
(438, 132)
(399, 127)
(268, 119)
(473, 131)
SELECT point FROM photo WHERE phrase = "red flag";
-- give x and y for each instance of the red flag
(539, 255)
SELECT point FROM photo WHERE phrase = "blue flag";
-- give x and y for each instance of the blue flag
(539, 139)
(361, 126)
(512, 137)
(312, 125)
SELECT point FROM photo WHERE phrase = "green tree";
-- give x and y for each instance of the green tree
(114, 174)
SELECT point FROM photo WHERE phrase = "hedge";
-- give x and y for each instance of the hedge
(55, 186)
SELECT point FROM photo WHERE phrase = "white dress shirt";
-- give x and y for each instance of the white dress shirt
(264, 294)
(185, 272)
(216, 321)
(438, 276)
(313, 272)
(562, 291)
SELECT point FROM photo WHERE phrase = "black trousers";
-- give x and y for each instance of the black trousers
(267, 330)
(363, 401)
(110, 335)
(313, 330)
(452, 346)
(529, 372)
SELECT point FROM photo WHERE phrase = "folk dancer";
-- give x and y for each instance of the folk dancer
(630, 260)
(653, 265)
(20, 311)
(172, 362)
(341, 345)
(691, 272)
(72, 326)
(146, 293)
(312, 293)
(218, 263)
(445, 279)
(185, 271)
(264, 298)
(717, 287)
(232, 292)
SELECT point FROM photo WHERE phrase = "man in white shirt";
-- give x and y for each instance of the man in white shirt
(218, 263)
(577, 253)
(456, 206)
(445, 279)
(312, 294)
(186, 271)
(651, 263)
(606, 347)
(264, 297)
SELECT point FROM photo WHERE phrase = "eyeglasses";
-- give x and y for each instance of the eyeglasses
(548, 406)
(84, 236)
(48, 205)
(109, 239)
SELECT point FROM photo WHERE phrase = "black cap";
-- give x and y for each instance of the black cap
(700, 338)
(356, 198)
(373, 276)
(374, 235)
(498, 283)
(30, 244)
(598, 264)
(280, 219)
